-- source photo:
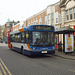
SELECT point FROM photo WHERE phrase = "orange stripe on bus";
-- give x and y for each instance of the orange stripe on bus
(21, 30)
(29, 47)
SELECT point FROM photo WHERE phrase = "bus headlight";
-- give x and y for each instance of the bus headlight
(53, 47)
(33, 48)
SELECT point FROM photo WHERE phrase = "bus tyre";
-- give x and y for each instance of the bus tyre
(11, 47)
(22, 51)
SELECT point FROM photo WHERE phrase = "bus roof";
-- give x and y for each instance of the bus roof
(38, 25)
(27, 28)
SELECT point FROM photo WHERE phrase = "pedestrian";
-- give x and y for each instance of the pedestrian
(59, 46)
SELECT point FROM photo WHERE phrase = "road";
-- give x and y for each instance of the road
(13, 63)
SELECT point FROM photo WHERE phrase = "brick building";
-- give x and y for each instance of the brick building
(39, 18)
(8, 28)
(51, 16)
(15, 27)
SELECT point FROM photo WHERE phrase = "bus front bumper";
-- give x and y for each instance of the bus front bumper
(42, 52)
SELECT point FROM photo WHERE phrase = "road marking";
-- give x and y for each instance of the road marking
(5, 67)
(72, 70)
(0, 72)
(51, 65)
(63, 58)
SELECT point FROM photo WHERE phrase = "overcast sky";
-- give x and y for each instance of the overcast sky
(21, 9)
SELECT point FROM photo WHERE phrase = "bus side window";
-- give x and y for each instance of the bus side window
(31, 38)
(19, 37)
(27, 36)
(11, 38)
(23, 37)
(15, 37)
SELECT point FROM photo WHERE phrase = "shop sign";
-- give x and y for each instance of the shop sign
(69, 43)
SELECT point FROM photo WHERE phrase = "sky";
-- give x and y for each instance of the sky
(20, 10)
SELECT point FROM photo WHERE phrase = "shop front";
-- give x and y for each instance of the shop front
(67, 41)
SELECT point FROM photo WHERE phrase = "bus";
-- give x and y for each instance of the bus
(33, 40)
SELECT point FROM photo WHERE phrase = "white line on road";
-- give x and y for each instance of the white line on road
(72, 70)
(63, 58)
(5, 67)
(0, 72)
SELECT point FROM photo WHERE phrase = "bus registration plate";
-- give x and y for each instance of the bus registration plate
(44, 52)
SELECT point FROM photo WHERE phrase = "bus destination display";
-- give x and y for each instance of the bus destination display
(43, 28)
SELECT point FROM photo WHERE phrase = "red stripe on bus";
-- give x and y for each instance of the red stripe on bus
(29, 46)
(21, 30)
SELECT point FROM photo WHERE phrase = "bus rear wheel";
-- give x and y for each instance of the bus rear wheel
(22, 50)
(11, 47)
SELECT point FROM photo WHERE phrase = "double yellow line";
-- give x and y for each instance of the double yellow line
(4, 68)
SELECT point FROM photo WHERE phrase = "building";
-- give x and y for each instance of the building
(1, 32)
(25, 23)
(39, 18)
(51, 16)
(67, 13)
(16, 27)
(54, 15)
(8, 28)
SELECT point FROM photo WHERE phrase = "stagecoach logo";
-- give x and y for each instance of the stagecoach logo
(44, 48)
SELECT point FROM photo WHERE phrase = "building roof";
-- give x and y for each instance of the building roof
(64, 30)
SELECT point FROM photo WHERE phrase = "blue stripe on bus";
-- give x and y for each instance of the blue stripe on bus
(42, 48)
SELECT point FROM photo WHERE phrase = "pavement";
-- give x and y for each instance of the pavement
(66, 56)
(3, 44)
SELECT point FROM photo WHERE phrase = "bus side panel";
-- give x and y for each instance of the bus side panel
(28, 50)
(17, 47)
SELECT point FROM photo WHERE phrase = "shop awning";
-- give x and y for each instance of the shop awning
(64, 30)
